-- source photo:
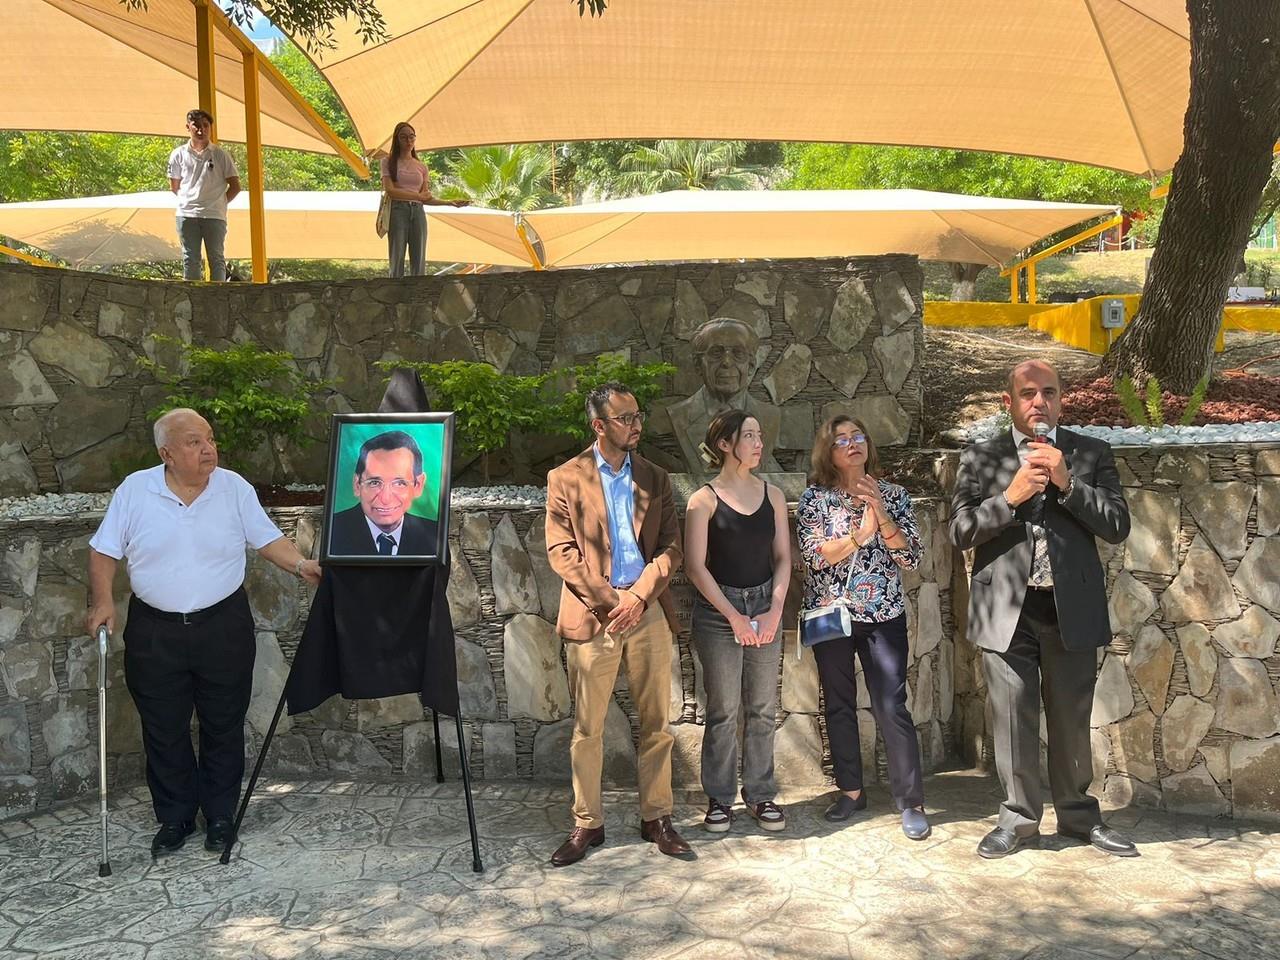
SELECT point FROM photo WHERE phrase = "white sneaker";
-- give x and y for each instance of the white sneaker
(719, 818)
(769, 815)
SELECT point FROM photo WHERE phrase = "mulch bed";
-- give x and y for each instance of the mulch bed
(277, 495)
(1233, 397)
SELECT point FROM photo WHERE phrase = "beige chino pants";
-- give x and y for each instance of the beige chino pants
(593, 668)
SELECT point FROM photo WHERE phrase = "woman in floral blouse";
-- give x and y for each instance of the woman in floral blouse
(855, 532)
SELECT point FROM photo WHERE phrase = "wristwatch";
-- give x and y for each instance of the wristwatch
(1066, 491)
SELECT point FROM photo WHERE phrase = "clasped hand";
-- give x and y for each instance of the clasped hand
(624, 617)
(1044, 464)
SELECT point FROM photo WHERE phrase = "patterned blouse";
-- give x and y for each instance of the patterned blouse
(875, 591)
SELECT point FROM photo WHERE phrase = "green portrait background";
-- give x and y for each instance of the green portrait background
(430, 439)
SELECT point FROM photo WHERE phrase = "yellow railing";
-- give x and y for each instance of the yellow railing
(1029, 264)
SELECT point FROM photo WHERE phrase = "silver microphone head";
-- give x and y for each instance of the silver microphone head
(1041, 430)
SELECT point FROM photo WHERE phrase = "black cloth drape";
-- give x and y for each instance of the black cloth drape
(379, 631)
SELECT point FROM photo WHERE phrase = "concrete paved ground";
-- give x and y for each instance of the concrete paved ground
(365, 871)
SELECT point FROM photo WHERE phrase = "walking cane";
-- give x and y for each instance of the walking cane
(104, 637)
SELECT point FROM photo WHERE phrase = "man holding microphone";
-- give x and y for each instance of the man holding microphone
(1029, 503)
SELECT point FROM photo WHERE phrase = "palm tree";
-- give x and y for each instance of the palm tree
(688, 165)
(515, 177)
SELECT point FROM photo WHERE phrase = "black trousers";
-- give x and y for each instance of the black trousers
(1037, 664)
(882, 648)
(171, 667)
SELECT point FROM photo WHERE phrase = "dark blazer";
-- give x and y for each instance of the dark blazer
(981, 520)
(351, 537)
(578, 545)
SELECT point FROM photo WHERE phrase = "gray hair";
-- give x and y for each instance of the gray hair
(160, 431)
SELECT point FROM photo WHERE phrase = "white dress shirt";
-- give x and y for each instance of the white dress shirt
(183, 558)
(376, 531)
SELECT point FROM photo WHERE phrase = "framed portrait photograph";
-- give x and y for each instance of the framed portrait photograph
(387, 497)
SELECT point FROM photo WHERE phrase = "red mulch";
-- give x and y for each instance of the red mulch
(277, 495)
(1233, 397)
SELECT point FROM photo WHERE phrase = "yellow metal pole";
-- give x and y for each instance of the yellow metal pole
(204, 63)
(253, 156)
(1071, 241)
(1013, 286)
(1031, 283)
(28, 258)
(523, 233)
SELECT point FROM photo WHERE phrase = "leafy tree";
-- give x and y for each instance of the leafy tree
(515, 177)
(312, 19)
(687, 165)
(1232, 122)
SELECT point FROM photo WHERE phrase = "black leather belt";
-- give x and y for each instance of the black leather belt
(194, 616)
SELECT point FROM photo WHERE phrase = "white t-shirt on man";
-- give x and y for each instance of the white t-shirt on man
(184, 558)
(203, 176)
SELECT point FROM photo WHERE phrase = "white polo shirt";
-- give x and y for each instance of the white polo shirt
(202, 191)
(184, 558)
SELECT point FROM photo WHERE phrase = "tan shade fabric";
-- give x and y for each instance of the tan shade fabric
(93, 65)
(103, 231)
(1103, 82)
(761, 224)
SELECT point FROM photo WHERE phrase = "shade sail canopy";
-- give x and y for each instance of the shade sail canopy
(724, 224)
(1103, 82)
(133, 227)
(95, 66)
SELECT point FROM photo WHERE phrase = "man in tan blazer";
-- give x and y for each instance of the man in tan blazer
(613, 537)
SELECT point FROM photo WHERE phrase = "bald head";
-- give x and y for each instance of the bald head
(176, 421)
(1033, 395)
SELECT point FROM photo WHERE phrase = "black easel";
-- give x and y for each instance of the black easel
(476, 865)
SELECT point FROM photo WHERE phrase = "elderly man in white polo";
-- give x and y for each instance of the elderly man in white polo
(183, 527)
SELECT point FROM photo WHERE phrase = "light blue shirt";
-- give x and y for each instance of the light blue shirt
(626, 561)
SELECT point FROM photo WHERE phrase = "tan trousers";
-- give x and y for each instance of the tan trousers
(593, 667)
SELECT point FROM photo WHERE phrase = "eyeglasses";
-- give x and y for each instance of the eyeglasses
(375, 485)
(628, 419)
(718, 353)
(847, 441)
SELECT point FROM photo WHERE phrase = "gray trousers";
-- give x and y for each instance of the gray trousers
(1037, 664)
(407, 231)
(737, 679)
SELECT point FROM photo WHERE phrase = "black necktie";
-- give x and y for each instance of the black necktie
(385, 544)
(1035, 506)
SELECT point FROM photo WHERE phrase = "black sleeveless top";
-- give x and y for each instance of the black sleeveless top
(740, 547)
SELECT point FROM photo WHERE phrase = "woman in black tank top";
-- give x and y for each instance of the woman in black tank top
(738, 555)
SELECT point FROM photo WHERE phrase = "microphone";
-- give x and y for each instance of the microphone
(1041, 431)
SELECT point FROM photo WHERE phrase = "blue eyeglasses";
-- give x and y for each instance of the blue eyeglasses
(846, 441)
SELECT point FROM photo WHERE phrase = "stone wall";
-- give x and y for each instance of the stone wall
(514, 688)
(1186, 714)
(834, 335)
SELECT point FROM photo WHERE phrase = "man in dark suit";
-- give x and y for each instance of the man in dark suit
(388, 478)
(1029, 503)
(613, 538)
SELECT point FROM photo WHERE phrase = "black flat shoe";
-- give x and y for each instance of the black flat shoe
(1105, 839)
(1001, 842)
(845, 807)
(171, 837)
(216, 833)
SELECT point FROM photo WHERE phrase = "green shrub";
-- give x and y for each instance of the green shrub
(250, 396)
(1148, 411)
(488, 406)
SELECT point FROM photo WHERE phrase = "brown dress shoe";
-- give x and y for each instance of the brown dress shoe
(575, 848)
(662, 833)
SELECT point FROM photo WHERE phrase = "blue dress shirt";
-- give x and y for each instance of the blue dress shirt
(626, 561)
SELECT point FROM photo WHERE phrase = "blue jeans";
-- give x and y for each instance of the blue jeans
(408, 230)
(737, 678)
(191, 230)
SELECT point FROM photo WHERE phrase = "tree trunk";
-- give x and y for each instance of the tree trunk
(1232, 121)
(964, 280)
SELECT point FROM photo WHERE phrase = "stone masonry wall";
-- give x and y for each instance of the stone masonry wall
(1186, 714)
(835, 335)
(514, 688)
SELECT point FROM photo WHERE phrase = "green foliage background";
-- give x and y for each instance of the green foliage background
(430, 439)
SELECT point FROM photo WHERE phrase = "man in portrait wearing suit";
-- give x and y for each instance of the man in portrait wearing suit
(1029, 503)
(613, 538)
(388, 478)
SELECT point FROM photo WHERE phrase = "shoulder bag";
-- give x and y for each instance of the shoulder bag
(384, 215)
